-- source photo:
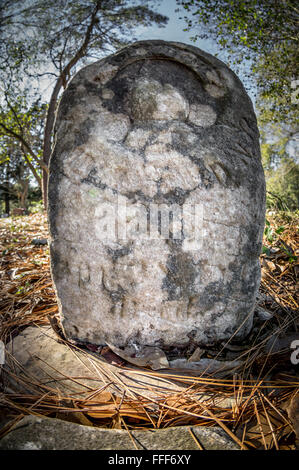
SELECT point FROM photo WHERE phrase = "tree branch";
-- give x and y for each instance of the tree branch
(26, 145)
(62, 80)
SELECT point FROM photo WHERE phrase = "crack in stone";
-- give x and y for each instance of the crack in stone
(91, 179)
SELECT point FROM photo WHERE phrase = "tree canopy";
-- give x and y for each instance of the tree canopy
(51, 40)
(263, 32)
(42, 45)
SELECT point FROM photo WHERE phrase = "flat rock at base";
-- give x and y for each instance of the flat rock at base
(36, 360)
(34, 433)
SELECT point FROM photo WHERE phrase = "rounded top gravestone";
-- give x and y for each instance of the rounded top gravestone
(156, 200)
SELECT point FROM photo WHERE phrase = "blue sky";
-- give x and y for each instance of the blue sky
(174, 31)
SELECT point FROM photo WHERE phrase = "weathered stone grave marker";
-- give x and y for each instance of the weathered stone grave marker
(156, 200)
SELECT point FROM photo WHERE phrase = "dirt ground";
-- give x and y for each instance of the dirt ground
(265, 421)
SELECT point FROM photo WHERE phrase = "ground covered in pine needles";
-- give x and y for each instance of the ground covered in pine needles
(264, 410)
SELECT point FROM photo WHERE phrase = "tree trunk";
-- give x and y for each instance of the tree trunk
(6, 198)
(62, 82)
(48, 136)
(24, 194)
